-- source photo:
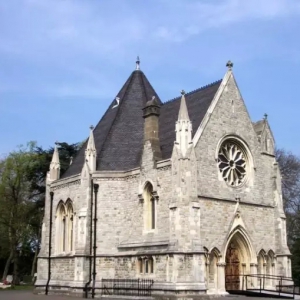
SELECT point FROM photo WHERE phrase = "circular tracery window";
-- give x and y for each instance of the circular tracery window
(232, 163)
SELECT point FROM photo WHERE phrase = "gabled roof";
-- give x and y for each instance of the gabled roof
(119, 134)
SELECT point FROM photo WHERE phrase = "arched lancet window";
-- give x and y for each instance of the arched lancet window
(60, 228)
(69, 226)
(261, 262)
(270, 268)
(64, 227)
(149, 207)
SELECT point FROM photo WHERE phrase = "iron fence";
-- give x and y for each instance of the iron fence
(127, 287)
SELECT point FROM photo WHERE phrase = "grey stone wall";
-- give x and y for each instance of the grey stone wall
(259, 223)
(225, 120)
(63, 269)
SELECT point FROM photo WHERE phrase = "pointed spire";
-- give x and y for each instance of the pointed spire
(183, 112)
(137, 63)
(91, 142)
(55, 165)
(183, 127)
(90, 152)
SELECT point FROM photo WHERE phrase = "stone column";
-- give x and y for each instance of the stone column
(273, 273)
(253, 271)
(221, 278)
(265, 280)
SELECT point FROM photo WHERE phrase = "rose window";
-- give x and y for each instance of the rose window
(232, 163)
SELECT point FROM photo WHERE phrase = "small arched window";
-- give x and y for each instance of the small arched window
(149, 207)
(145, 265)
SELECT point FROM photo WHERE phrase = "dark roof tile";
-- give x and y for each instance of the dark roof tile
(119, 134)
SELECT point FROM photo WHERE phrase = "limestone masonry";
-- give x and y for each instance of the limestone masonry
(186, 192)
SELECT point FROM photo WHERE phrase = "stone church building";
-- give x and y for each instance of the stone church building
(186, 192)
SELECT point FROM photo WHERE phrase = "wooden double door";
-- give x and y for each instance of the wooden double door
(232, 269)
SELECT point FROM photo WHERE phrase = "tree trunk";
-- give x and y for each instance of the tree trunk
(33, 267)
(16, 277)
(6, 269)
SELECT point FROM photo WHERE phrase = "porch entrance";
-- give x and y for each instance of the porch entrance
(232, 269)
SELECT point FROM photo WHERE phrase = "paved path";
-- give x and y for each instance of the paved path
(28, 295)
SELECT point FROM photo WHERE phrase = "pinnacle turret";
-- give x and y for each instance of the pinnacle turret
(54, 170)
(183, 112)
(90, 151)
(183, 127)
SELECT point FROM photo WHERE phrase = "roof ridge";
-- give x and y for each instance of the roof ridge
(144, 87)
(194, 91)
(118, 109)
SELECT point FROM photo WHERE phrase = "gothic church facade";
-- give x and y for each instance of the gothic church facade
(185, 192)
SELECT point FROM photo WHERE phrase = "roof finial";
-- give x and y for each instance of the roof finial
(265, 116)
(56, 143)
(91, 127)
(229, 65)
(137, 63)
(182, 92)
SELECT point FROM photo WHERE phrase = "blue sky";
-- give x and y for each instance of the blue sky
(63, 62)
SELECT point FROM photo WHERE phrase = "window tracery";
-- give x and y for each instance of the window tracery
(64, 227)
(233, 162)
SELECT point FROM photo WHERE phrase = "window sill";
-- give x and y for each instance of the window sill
(146, 231)
(146, 275)
(64, 254)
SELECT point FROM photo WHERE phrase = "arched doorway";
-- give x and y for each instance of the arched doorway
(238, 256)
(232, 269)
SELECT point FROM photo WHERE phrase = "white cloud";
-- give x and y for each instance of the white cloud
(65, 36)
(189, 18)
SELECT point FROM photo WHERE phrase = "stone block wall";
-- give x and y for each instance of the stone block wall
(63, 270)
(121, 214)
(217, 218)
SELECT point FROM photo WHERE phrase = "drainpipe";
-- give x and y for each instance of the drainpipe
(91, 243)
(50, 243)
(96, 188)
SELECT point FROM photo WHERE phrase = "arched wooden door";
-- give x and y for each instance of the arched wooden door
(232, 269)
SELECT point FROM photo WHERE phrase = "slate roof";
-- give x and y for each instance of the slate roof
(197, 102)
(119, 134)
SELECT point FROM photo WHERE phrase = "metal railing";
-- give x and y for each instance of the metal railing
(127, 287)
(262, 283)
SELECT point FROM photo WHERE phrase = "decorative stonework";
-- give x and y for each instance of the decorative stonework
(162, 169)
(77, 182)
(125, 178)
(232, 163)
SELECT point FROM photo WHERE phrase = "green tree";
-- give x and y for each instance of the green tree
(15, 202)
(37, 178)
(289, 165)
(22, 199)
